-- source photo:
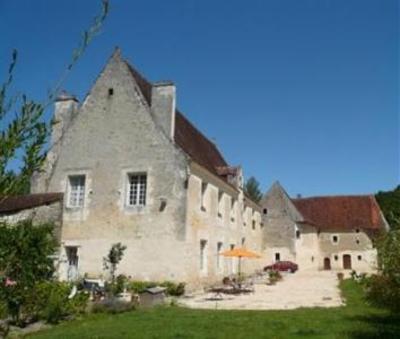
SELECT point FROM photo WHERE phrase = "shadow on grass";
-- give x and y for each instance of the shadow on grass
(377, 326)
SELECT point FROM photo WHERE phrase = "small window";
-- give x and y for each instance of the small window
(137, 189)
(219, 257)
(335, 239)
(297, 234)
(203, 255)
(253, 224)
(357, 242)
(111, 91)
(220, 203)
(277, 256)
(243, 241)
(76, 191)
(336, 258)
(233, 209)
(203, 196)
(312, 259)
(265, 211)
(359, 258)
(357, 230)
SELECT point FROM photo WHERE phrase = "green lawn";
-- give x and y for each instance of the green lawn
(356, 320)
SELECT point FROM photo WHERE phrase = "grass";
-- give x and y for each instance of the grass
(356, 320)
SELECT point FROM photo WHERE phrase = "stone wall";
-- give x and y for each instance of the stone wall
(114, 134)
(49, 213)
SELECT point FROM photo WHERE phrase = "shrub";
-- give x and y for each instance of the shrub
(25, 260)
(112, 306)
(50, 301)
(172, 289)
(274, 276)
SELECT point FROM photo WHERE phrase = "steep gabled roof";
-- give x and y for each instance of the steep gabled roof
(342, 212)
(198, 147)
(23, 202)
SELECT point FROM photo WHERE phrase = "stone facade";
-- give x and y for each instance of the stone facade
(323, 232)
(127, 127)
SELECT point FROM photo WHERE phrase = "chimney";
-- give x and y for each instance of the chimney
(163, 98)
(66, 106)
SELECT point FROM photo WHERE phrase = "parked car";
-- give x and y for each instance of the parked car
(282, 266)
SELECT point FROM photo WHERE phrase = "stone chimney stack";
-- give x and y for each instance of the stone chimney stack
(163, 100)
(66, 106)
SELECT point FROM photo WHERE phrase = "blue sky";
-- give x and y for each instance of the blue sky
(301, 91)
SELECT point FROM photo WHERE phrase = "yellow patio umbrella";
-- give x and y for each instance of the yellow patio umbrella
(240, 252)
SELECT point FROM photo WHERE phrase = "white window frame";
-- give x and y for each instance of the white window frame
(80, 198)
(138, 202)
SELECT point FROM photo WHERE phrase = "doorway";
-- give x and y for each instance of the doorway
(327, 264)
(347, 262)
(72, 262)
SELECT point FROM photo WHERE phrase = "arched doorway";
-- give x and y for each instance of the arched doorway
(327, 264)
(347, 262)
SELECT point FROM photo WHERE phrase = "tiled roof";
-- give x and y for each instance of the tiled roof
(196, 145)
(341, 212)
(22, 202)
(187, 136)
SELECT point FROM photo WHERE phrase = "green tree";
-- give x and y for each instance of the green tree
(389, 203)
(252, 189)
(383, 289)
(25, 260)
(113, 258)
(23, 132)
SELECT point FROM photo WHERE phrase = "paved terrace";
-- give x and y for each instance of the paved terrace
(302, 289)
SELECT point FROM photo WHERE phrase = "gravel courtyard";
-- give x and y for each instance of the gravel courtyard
(302, 289)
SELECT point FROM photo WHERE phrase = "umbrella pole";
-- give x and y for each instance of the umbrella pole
(239, 273)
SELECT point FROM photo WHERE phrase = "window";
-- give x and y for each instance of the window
(111, 91)
(298, 234)
(203, 196)
(220, 203)
(265, 211)
(335, 239)
(233, 261)
(277, 256)
(357, 242)
(233, 209)
(203, 256)
(243, 241)
(357, 230)
(137, 187)
(336, 258)
(253, 224)
(76, 191)
(219, 258)
(359, 258)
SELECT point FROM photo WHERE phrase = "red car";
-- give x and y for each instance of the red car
(283, 266)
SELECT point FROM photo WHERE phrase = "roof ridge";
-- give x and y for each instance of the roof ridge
(336, 196)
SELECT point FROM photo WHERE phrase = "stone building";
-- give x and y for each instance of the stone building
(330, 232)
(133, 169)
